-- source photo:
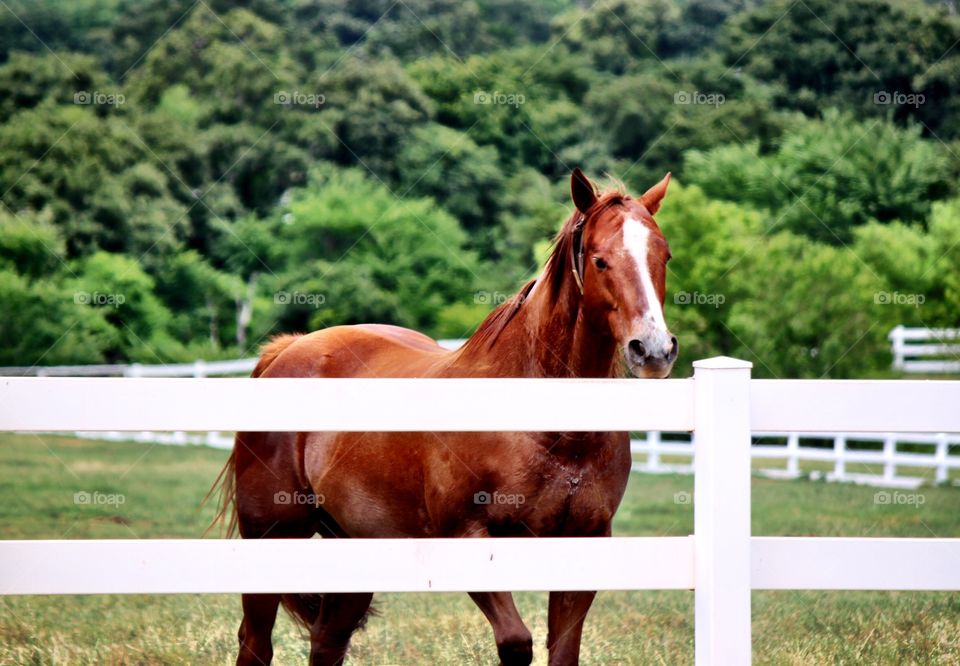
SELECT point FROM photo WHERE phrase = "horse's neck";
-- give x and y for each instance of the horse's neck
(548, 338)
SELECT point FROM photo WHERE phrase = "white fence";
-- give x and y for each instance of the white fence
(797, 446)
(199, 368)
(240, 366)
(721, 561)
(883, 463)
(926, 350)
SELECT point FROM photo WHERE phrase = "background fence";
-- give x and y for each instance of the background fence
(926, 350)
(880, 457)
(721, 562)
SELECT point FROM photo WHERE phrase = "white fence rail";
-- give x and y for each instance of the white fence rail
(240, 366)
(926, 350)
(721, 561)
(198, 368)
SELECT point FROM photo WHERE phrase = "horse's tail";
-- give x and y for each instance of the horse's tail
(304, 609)
(225, 485)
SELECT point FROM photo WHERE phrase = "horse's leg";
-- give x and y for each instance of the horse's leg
(266, 484)
(259, 614)
(514, 642)
(567, 612)
(340, 615)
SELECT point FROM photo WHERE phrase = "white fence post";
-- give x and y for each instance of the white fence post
(897, 347)
(722, 511)
(840, 457)
(653, 455)
(942, 475)
(793, 453)
(889, 457)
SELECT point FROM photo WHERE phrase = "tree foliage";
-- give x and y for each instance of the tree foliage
(183, 179)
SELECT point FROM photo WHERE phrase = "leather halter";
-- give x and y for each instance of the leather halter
(576, 251)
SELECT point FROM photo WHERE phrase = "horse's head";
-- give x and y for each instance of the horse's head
(619, 260)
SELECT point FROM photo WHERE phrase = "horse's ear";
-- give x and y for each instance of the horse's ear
(651, 198)
(584, 196)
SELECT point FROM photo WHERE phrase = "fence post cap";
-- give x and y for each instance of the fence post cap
(722, 363)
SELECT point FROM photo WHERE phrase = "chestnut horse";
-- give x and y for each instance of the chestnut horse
(596, 310)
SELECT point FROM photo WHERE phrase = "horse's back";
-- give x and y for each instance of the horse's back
(362, 350)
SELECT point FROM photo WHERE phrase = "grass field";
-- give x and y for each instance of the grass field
(161, 488)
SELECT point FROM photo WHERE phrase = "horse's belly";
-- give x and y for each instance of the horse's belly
(370, 483)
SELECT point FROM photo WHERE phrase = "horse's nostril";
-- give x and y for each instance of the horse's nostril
(674, 348)
(638, 352)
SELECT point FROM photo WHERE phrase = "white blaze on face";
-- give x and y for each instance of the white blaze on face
(636, 238)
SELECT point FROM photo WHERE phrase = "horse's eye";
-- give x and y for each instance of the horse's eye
(600, 263)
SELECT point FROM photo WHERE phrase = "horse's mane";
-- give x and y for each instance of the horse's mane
(556, 271)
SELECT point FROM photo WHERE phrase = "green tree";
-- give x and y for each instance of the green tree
(858, 54)
(45, 324)
(823, 320)
(356, 253)
(117, 287)
(445, 164)
(828, 177)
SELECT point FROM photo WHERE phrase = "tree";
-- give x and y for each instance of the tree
(874, 56)
(823, 321)
(356, 253)
(615, 34)
(439, 162)
(828, 177)
(117, 288)
(45, 323)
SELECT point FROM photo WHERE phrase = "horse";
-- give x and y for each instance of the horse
(595, 310)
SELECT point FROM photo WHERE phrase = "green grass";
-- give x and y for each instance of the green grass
(162, 487)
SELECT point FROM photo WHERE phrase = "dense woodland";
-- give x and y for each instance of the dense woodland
(180, 179)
